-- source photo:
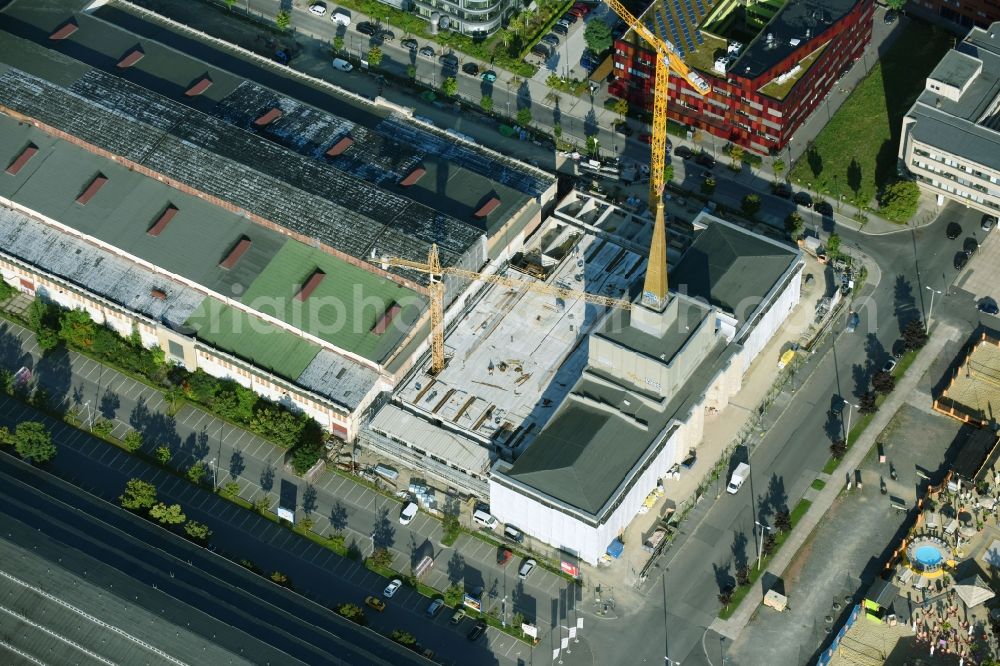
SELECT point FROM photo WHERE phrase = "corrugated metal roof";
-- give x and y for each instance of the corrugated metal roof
(399, 424)
(340, 379)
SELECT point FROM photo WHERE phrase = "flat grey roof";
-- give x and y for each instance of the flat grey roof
(690, 314)
(955, 69)
(443, 445)
(970, 127)
(601, 431)
(731, 268)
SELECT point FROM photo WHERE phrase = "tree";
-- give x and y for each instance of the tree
(782, 520)
(833, 246)
(593, 146)
(454, 594)
(524, 116)
(726, 597)
(374, 56)
(708, 186)
(261, 504)
(282, 20)
(230, 3)
(102, 427)
(43, 318)
(895, 5)
(280, 579)
(138, 495)
(449, 86)
(133, 441)
(351, 612)
(867, 404)
(381, 558)
(597, 36)
(6, 438)
(898, 201)
(743, 575)
(778, 166)
(197, 531)
(411, 72)
(838, 448)
(230, 490)
(403, 637)
(914, 334)
(486, 104)
(163, 454)
(770, 543)
(277, 424)
(883, 382)
(794, 224)
(750, 204)
(168, 515)
(737, 153)
(620, 107)
(33, 442)
(196, 472)
(668, 173)
(338, 44)
(77, 329)
(505, 35)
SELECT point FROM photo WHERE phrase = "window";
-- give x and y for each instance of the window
(175, 350)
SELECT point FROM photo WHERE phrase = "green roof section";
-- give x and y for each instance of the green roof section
(252, 339)
(344, 306)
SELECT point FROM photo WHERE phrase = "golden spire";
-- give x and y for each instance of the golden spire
(654, 289)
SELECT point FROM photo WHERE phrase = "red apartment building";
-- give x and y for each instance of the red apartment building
(770, 63)
(966, 13)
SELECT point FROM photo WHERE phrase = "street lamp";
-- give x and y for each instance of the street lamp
(930, 312)
(760, 543)
(214, 473)
(671, 662)
(847, 433)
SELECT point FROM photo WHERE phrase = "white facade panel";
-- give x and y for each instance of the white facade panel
(772, 320)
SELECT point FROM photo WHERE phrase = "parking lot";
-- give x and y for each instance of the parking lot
(979, 278)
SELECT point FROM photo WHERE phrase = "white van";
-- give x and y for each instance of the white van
(342, 65)
(485, 519)
(340, 17)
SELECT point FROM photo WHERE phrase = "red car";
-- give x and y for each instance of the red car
(646, 138)
(503, 556)
(579, 10)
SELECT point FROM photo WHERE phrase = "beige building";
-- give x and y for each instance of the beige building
(951, 136)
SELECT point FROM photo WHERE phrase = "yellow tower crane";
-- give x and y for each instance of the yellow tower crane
(433, 268)
(654, 292)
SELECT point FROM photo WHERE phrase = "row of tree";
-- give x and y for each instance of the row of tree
(31, 440)
(140, 497)
(782, 524)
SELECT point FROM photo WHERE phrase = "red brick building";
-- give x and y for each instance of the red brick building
(966, 13)
(770, 63)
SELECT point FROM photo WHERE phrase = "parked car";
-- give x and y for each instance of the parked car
(889, 366)
(560, 29)
(890, 16)
(970, 246)
(646, 138)
(853, 319)
(551, 39)
(410, 43)
(706, 160)
(988, 222)
(318, 8)
(569, 19)
(961, 259)
(391, 588)
(387, 35)
(449, 60)
(342, 65)
(580, 9)
(684, 152)
(953, 231)
(803, 199)
(477, 631)
(489, 76)
(435, 607)
(783, 190)
(989, 306)
(823, 208)
(471, 68)
(427, 51)
(622, 128)
(376, 603)
(541, 50)
(408, 513)
(457, 616)
(366, 28)
(340, 17)
(503, 556)
(526, 568)
(512, 533)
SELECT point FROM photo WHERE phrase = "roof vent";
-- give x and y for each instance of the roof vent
(22, 159)
(92, 189)
(158, 294)
(340, 146)
(199, 87)
(162, 221)
(268, 117)
(241, 247)
(64, 32)
(488, 207)
(382, 325)
(310, 285)
(413, 177)
(130, 59)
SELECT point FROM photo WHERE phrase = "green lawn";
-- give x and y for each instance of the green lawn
(855, 154)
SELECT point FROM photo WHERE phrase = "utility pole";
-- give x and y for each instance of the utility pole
(930, 312)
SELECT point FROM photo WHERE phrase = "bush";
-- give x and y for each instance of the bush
(454, 594)
(102, 427)
(381, 558)
(750, 204)
(196, 473)
(133, 441)
(197, 531)
(33, 442)
(898, 202)
(838, 449)
(883, 382)
(138, 495)
(914, 334)
(162, 454)
(230, 490)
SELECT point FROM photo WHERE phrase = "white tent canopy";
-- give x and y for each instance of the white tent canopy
(973, 591)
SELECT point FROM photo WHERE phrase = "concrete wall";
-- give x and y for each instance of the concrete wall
(776, 312)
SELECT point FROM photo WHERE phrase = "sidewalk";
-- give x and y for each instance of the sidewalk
(824, 499)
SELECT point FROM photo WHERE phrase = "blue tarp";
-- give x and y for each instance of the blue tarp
(615, 549)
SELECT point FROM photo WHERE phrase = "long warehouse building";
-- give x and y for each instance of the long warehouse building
(235, 225)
